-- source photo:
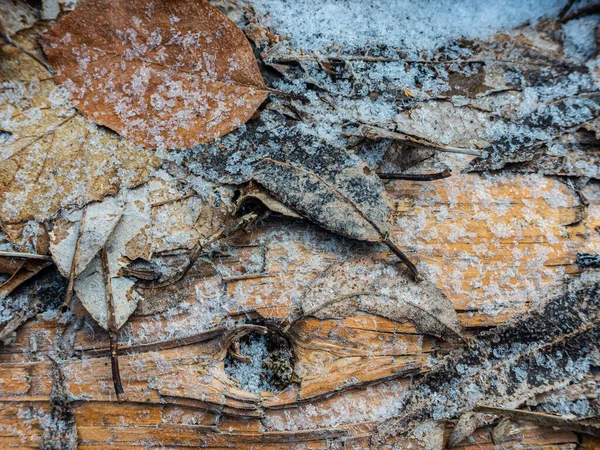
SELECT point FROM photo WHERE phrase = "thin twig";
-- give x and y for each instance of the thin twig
(112, 326)
(565, 10)
(587, 10)
(8, 254)
(234, 227)
(246, 276)
(581, 425)
(416, 176)
(234, 352)
(300, 97)
(376, 133)
(4, 35)
(173, 200)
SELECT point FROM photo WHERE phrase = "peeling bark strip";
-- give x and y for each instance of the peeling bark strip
(61, 431)
(587, 426)
(552, 346)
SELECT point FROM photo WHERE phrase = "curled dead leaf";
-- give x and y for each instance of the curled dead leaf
(20, 275)
(385, 290)
(166, 74)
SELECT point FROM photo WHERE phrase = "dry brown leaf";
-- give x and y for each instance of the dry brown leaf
(52, 157)
(10, 266)
(27, 237)
(27, 271)
(167, 74)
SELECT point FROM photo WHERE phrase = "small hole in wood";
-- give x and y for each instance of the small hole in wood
(262, 363)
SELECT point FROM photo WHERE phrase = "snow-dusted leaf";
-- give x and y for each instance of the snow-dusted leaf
(319, 181)
(91, 290)
(90, 284)
(163, 74)
(383, 289)
(78, 238)
(152, 218)
(51, 157)
(538, 135)
(554, 344)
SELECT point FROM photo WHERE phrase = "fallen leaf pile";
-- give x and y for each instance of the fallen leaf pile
(153, 218)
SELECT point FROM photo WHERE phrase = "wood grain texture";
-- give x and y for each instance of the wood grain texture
(177, 393)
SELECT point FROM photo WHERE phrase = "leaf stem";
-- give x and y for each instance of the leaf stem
(300, 97)
(235, 226)
(377, 133)
(69, 294)
(39, 60)
(415, 272)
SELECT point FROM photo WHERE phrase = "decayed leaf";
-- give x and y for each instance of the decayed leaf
(51, 156)
(91, 227)
(77, 245)
(138, 223)
(551, 346)
(253, 192)
(382, 289)
(91, 287)
(16, 15)
(317, 180)
(539, 136)
(166, 74)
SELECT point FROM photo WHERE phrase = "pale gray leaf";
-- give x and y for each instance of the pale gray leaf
(383, 289)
